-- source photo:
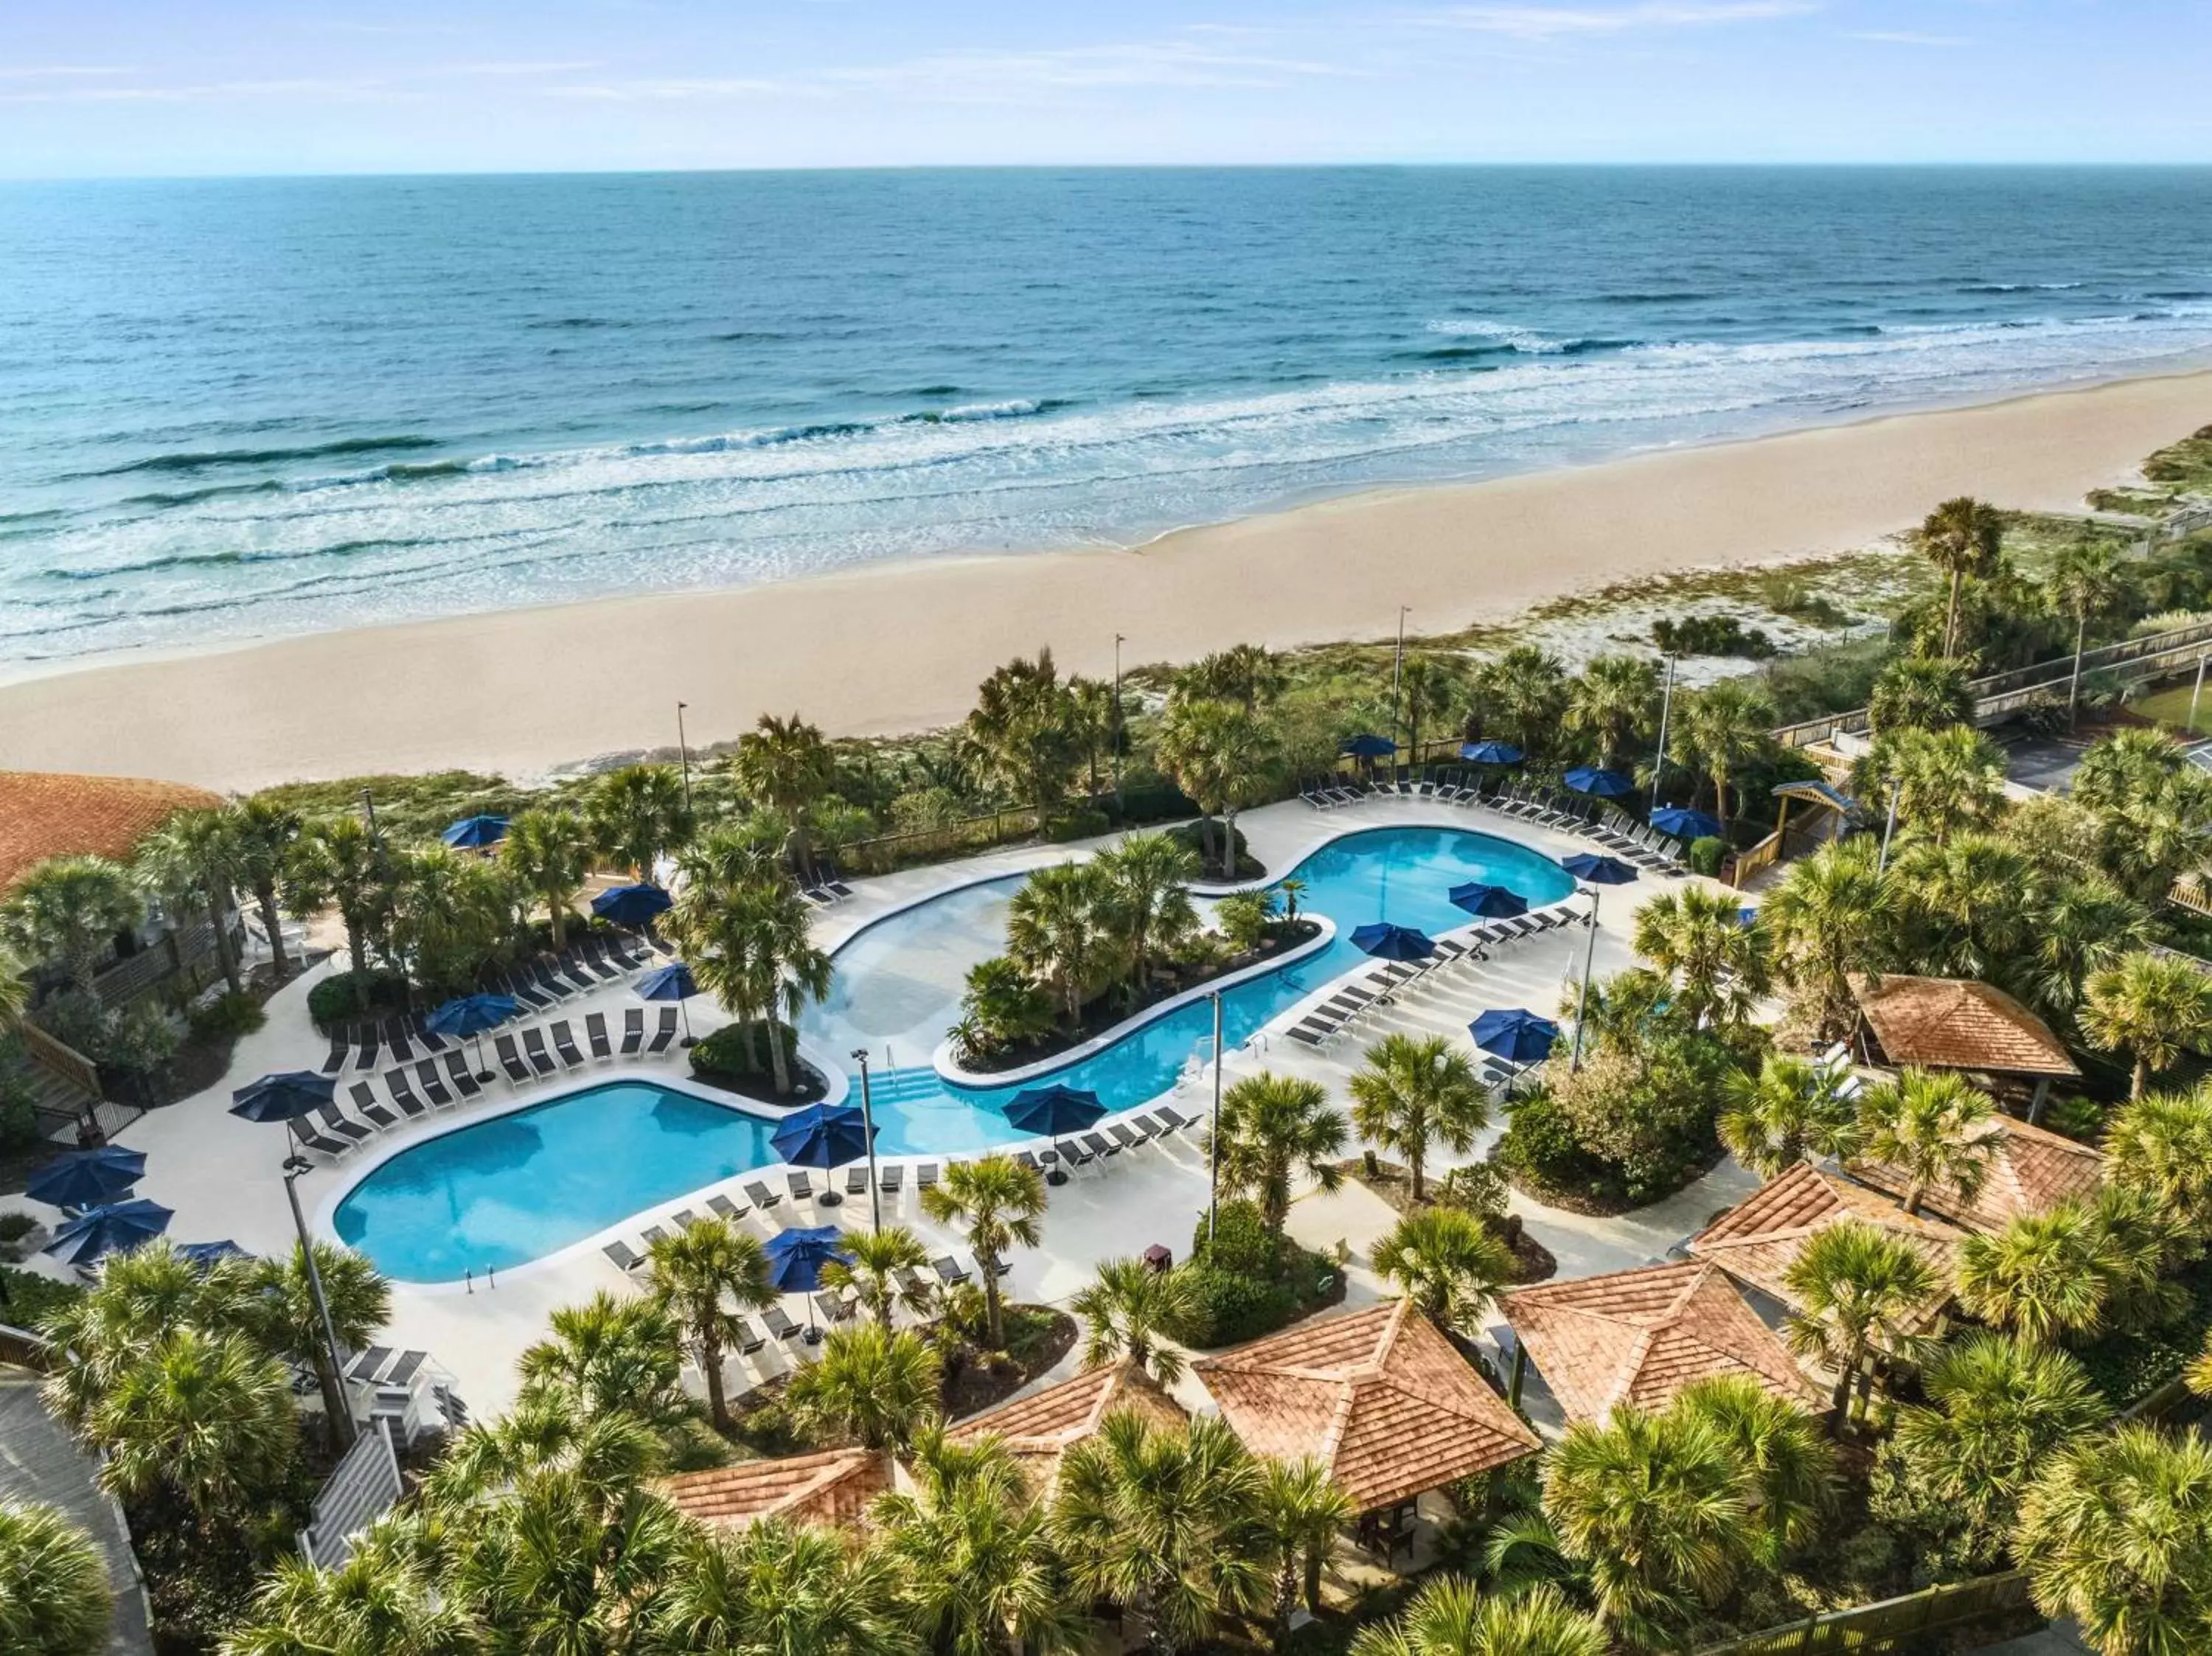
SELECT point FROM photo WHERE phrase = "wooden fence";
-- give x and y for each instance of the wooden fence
(887, 852)
(1892, 1625)
(25, 1350)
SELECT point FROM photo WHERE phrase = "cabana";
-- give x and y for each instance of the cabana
(1956, 1023)
(832, 1488)
(2031, 1170)
(1038, 1430)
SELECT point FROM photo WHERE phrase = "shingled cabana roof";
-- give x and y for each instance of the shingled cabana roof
(1041, 1428)
(2030, 1170)
(833, 1488)
(1639, 1337)
(1956, 1023)
(1378, 1397)
(49, 814)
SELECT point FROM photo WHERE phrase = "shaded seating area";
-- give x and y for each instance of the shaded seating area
(833, 1488)
(1957, 1023)
(2030, 1170)
(1038, 1430)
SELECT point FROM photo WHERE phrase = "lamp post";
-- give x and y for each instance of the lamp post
(294, 1166)
(1120, 801)
(1665, 707)
(1213, 1142)
(683, 755)
(868, 1129)
(2195, 693)
(1888, 828)
(1582, 999)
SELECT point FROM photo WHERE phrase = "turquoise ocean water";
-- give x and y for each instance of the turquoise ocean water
(253, 407)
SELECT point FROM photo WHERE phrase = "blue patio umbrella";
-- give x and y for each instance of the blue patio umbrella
(1746, 917)
(671, 982)
(1515, 1034)
(285, 1097)
(99, 1232)
(823, 1136)
(1599, 871)
(1386, 942)
(475, 832)
(471, 1015)
(795, 1259)
(631, 904)
(1364, 746)
(1599, 783)
(1049, 1112)
(85, 1178)
(205, 1254)
(1491, 902)
(1686, 824)
(1490, 753)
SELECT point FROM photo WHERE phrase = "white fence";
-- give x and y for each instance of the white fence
(363, 1486)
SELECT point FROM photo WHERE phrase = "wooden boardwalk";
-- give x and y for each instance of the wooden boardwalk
(39, 1462)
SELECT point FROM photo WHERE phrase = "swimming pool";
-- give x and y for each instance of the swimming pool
(516, 1187)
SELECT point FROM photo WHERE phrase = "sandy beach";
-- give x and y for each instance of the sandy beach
(899, 647)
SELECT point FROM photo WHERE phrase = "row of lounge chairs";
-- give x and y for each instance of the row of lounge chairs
(1614, 829)
(1386, 983)
(828, 887)
(778, 1324)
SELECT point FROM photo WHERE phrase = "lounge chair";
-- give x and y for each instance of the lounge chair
(633, 1030)
(801, 1186)
(341, 1050)
(618, 952)
(750, 1339)
(587, 951)
(1070, 1154)
(525, 990)
(564, 1042)
(722, 1208)
(465, 1079)
(833, 1309)
(856, 1180)
(534, 1046)
(369, 1364)
(402, 1095)
(559, 988)
(1153, 1126)
(510, 1059)
(683, 1218)
(395, 1036)
(595, 1030)
(1100, 1147)
(317, 1142)
(760, 1196)
(925, 1177)
(366, 1106)
(665, 1033)
(1122, 1134)
(1312, 1033)
(655, 1233)
(1175, 1121)
(948, 1271)
(1028, 1159)
(778, 1323)
(833, 878)
(624, 1259)
(434, 1085)
(894, 1176)
(431, 1039)
(570, 970)
(351, 1132)
(371, 1045)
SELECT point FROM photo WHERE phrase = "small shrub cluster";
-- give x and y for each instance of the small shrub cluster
(1246, 1282)
(343, 997)
(1706, 856)
(1711, 635)
(227, 1017)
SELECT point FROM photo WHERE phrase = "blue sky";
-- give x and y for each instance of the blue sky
(104, 87)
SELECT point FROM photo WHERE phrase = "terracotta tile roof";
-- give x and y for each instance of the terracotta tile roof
(1639, 1337)
(49, 814)
(834, 1487)
(1954, 1023)
(1378, 1396)
(2031, 1170)
(1038, 1430)
(1757, 1240)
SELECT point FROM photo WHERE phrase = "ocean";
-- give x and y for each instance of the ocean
(247, 407)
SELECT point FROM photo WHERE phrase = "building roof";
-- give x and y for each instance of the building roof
(833, 1487)
(49, 814)
(1757, 1240)
(1956, 1023)
(2030, 1170)
(1377, 1396)
(1039, 1429)
(1639, 1337)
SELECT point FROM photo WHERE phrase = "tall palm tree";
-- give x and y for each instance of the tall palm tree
(1788, 1110)
(1948, 782)
(776, 1587)
(1001, 1203)
(1250, 674)
(1696, 935)
(1656, 1506)
(703, 1275)
(192, 859)
(263, 831)
(1056, 927)
(208, 1417)
(1919, 693)
(1275, 1128)
(15, 990)
(785, 764)
(635, 814)
(337, 863)
(1724, 727)
(2041, 1276)
(2162, 1144)
(549, 850)
(1301, 1510)
(67, 910)
(453, 913)
(880, 1266)
(1416, 1093)
(1962, 536)
(54, 1595)
(1831, 917)
(1614, 702)
(607, 1356)
(1092, 720)
(2155, 1007)
(1148, 901)
(1858, 1288)
(1791, 1463)
(751, 947)
(1969, 905)
(2085, 923)
(1933, 1127)
(880, 1384)
(1018, 737)
(140, 1295)
(1165, 1522)
(1448, 1616)
(1447, 1263)
(384, 1600)
(1214, 750)
(2086, 581)
(1429, 693)
(2116, 1532)
(1523, 695)
(1127, 1309)
(285, 1317)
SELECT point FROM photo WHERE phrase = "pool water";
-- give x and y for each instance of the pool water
(519, 1186)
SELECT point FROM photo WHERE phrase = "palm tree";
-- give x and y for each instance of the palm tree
(1858, 1289)
(1017, 738)
(454, 911)
(261, 833)
(1092, 720)
(68, 911)
(696, 1274)
(2085, 923)
(607, 1356)
(1696, 935)
(1724, 727)
(786, 765)
(2041, 1276)
(2162, 1144)
(192, 859)
(337, 863)
(549, 850)
(1127, 1309)
(1300, 1509)
(286, 1321)
(751, 947)
(1948, 781)
(206, 1415)
(1613, 703)
(1933, 1127)
(880, 1384)
(1788, 1110)
(1656, 1506)
(54, 1595)
(1214, 750)
(1524, 694)
(15, 990)
(776, 1587)
(1791, 1463)
(1272, 1129)
(2198, 1376)
(1250, 674)
(635, 814)
(871, 1265)
(1165, 1522)
(1918, 692)
(1001, 1202)
(1147, 900)
(1449, 1617)
(1055, 927)
(2155, 1007)
(139, 1296)
(1415, 1093)
(1447, 1263)
(1429, 691)
(1970, 904)
(2112, 1532)
(1831, 917)
(1961, 538)
(2086, 580)
(383, 1600)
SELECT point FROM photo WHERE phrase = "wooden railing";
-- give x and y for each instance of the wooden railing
(64, 1063)
(1745, 864)
(24, 1348)
(1891, 1625)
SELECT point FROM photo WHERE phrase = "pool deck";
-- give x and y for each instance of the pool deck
(223, 1176)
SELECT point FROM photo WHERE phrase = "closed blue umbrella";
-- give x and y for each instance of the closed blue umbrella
(1490, 753)
(1364, 746)
(101, 1231)
(671, 982)
(1049, 1112)
(1515, 1034)
(475, 832)
(1599, 783)
(205, 1254)
(1490, 902)
(631, 904)
(85, 1178)
(1686, 824)
(471, 1015)
(823, 1136)
(1386, 942)
(1599, 871)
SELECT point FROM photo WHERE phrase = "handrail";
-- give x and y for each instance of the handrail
(64, 1062)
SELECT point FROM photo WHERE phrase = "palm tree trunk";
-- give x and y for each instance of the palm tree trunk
(2073, 685)
(1228, 843)
(995, 1314)
(265, 899)
(1913, 1201)
(1841, 1399)
(1951, 617)
(777, 1061)
(717, 1405)
(226, 957)
(1315, 1557)
(1286, 1600)
(2141, 1077)
(356, 947)
(558, 912)
(334, 1404)
(1414, 1166)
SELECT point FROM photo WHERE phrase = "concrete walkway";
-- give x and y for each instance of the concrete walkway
(40, 1464)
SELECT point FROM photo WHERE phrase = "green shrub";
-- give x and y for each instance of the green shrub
(19, 1120)
(1711, 635)
(1229, 1309)
(1479, 1188)
(1706, 856)
(1240, 1242)
(2128, 1367)
(1246, 1282)
(15, 1225)
(334, 1001)
(1075, 822)
(1248, 867)
(1245, 918)
(1540, 1148)
(723, 1053)
(30, 1299)
(1000, 1008)
(228, 1016)
(923, 809)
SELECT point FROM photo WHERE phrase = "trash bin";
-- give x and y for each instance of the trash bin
(1156, 1257)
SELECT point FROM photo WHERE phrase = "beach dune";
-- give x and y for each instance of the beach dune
(899, 647)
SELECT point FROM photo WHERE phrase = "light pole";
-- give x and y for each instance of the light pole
(1213, 1142)
(1888, 828)
(683, 755)
(1582, 1000)
(2195, 693)
(1665, 707)
(868, 1128)
(294, 1166)
(1120, 801)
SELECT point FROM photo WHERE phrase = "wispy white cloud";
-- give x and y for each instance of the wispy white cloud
(1542, 23)
(334, 91)
(511, 71)
(672, 90)
(1896, 37)
(62, 72)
